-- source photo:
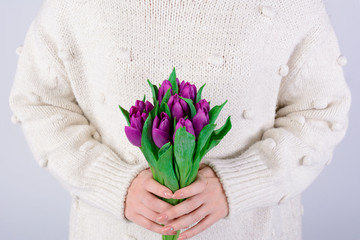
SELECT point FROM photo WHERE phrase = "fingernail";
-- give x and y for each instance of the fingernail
(167, 194)
(168, 229)
(178, 195)
(181, 237)
(161, 218)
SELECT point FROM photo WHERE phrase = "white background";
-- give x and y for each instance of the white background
(33, 205)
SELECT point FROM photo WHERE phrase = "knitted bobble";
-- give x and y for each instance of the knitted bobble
(319, 104)
(283, 199)
(248, 114)
(15, 119)
(97, 136)
(270, 142)
(306, 161)
(342, 60)
(267, 11)
(19, 50)
(33, 97)
(298, 118)
(43, 162)
(87, 146)
(284, 70)
(216, 59)
(123, 54)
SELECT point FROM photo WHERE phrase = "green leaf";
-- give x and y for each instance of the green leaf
(154, 91)
(184, 148)
(191, 106)
(165, 99)
(217, 136)
(214, 112)
(166, 167)
(203, 137)
(126, 115)
(221, 132)
(193, 173)
(198, 95)
(174, 124)
(154, 111)
(148, 147)
(167, 110)
(176, 170)
(164, 148)
(144, 98)
(172, 79)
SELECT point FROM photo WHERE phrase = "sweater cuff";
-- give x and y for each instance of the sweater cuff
(110, 178)
(247, 181)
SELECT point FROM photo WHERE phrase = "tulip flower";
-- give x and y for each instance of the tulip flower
(200, 119)
(163, 89)
(133, 132)
(187, 90)
(178, 107)
(188, 126)
(161, 129)
(137, 117)
(202, 104)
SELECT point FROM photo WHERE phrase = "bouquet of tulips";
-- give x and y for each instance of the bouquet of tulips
(174, 132)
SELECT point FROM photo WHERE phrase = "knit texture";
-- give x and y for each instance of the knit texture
(278, 63)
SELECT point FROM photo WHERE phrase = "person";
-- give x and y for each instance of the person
(279, 65)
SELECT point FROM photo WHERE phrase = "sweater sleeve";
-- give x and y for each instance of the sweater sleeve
(59, 135)
(311, 119)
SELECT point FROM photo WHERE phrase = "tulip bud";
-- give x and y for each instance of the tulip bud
(202, 104)
(200, 119)
(161, 129)
(188, 126)
(178, 107)
(187, 90)
(137, 118)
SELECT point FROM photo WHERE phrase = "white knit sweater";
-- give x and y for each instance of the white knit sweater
(278, 64)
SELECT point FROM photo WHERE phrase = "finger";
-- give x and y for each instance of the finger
(146, 212)
(207, 171)
(189, 219)
(199, 227)
(196, 187)
(156, 188)
(182, 208)
(202, 165)
(154, 203)
(150, 225)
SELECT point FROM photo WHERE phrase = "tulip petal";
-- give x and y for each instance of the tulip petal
(189, 127)
(177, 110)
(133, 135)
(160, 137)
(199, 121)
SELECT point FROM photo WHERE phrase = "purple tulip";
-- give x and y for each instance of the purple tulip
(148, 106)
(137, 117)
(166, 84)
(188, 126)
(178, 107)
(200, 119)
(161, 129)
(202, 104)
(187, 90)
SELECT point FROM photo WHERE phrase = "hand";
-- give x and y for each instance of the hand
(206, 203)
(142, 206)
